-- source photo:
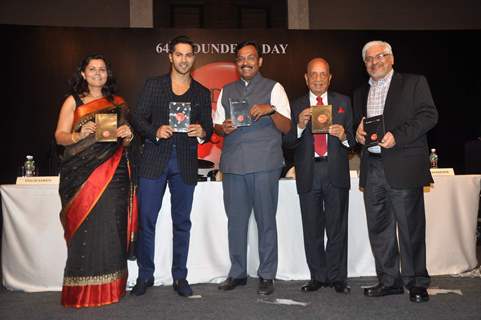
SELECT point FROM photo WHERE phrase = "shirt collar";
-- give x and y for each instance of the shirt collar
(383, 81)
(256, 78)
(313, 97)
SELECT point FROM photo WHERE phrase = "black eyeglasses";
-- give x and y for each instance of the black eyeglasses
(378, 57)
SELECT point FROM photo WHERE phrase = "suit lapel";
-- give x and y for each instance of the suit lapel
(305, 103)
(334, 102)
(331, 99)
(364, 95)
(167, 83)
(393, 92)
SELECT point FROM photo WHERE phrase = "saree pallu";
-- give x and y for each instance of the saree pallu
(99, 213)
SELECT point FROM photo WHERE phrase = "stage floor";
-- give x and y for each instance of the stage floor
(162, 302)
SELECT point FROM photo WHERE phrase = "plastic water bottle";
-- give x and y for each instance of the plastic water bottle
(433, 158)
(29, 166)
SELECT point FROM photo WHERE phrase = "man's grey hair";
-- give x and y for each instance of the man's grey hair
(387, 47)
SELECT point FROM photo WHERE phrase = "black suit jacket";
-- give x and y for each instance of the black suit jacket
(338, 162)
(409, 113)
(152, 111)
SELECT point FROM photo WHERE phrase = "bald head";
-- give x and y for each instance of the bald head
(318, 76)
(317, 61)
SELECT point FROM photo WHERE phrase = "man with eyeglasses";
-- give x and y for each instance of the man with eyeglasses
(251, 162)
(169, 157)
(322, 178)
(394, 172)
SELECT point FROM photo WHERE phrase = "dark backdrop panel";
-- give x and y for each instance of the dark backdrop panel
(92, 13)
(38, 61)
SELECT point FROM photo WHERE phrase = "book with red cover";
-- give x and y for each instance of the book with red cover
(374, 127)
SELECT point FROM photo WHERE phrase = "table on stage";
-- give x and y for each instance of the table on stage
(34, 251)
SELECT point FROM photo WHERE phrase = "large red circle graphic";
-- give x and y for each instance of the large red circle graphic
(214, 76)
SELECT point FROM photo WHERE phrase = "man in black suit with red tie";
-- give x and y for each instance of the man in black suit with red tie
(394, 172)
(322, 178)
(169, 157)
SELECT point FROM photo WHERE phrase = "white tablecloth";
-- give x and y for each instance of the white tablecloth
(34, 252)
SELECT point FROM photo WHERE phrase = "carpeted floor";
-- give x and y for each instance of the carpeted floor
(244, 303)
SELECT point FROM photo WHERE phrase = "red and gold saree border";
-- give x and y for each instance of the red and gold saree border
(79, 207)
(87, 111)
(94, 291)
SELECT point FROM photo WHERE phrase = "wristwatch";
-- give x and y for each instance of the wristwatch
(274, 110)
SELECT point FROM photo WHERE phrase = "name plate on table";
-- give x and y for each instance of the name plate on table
(38, 180)
(442, 171)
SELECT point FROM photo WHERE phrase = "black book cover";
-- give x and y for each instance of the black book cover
(374, 127)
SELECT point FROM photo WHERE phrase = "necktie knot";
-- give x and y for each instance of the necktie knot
(319, 101)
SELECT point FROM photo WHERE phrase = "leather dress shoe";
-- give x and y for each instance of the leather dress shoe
(313, 285)
(379, 291)
(231, 283)
(141, 286)
(182, 287)
(266, 287)
(341, 287)
(418, 294)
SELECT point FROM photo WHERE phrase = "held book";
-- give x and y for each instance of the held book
(374, 127)
(179, 116)
(321, 118)
(106, 127)
(239, 113)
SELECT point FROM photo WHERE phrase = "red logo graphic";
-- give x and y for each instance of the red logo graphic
(322, 118)
(341, 110)
(180, 116)
(214, 76)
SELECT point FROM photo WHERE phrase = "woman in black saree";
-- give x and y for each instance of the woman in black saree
(99, 211)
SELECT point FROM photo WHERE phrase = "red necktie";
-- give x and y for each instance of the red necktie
(320, 139)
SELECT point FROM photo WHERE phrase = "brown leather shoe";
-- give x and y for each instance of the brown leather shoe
(231, 283)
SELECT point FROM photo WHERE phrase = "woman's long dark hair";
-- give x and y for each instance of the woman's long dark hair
(79, 86)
